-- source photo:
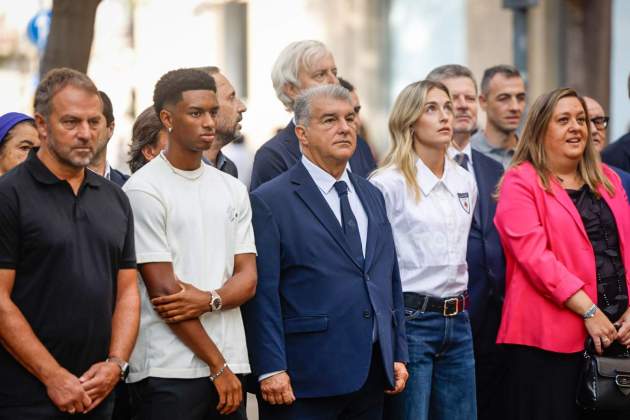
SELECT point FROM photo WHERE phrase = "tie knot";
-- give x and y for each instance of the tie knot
(341, 187)
(462, 160)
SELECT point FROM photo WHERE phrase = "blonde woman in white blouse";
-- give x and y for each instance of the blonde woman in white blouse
(430, 201)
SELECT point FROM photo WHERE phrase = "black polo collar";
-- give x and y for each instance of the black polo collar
(42, 174)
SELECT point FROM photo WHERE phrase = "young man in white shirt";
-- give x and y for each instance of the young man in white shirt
(196, 253)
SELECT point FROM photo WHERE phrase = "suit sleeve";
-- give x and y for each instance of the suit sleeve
(263, 316)
(523, 235)
(267, 165)
(401, 353)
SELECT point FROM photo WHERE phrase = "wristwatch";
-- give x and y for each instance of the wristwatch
(215, 301)
(122, 364)
(590, 313)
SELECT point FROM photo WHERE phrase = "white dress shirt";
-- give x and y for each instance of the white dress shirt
(326, 185)
(431, 234)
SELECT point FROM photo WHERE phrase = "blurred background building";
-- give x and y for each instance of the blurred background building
(379, 45)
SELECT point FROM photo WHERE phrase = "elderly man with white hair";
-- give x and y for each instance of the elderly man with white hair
(299, 66)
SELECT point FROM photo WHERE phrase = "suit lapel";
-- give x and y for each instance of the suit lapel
(480, 212)
(372, 230)
(311, 196)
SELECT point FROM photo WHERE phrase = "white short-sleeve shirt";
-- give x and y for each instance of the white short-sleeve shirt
(431, 235)
(197, 220)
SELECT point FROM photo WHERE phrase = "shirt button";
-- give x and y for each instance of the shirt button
(366, 314)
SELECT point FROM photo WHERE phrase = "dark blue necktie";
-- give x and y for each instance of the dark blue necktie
(349, 222)
(462, 160)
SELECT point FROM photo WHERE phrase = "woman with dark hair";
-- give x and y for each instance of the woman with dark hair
(564, 223)
(148, 139)
(18, 136)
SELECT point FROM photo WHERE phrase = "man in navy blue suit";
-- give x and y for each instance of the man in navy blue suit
(486, 263)
(325, 331)
(618, 152)
(599, 124)
(300, 65)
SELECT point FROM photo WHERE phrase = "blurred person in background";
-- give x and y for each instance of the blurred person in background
(564, 224)
(18, 136)
(484, 255)
(430, 201)
(300, 65)
(599, 124)
(618, 152)
(231, 110)
(356, 103)
(503, 100)
(148, 139)
(99, 163)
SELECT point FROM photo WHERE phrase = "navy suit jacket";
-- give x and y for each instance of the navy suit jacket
(117, 177)
(625, 180)
(283, 151)
(315, 305)
(486, 262)
(618, 153)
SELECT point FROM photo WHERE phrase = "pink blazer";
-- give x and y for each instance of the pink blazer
(548, 258)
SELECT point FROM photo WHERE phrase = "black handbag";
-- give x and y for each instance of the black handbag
(604, 382)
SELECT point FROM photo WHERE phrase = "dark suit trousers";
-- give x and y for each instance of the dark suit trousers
(364, 404)
(490, 366)
(48, 411)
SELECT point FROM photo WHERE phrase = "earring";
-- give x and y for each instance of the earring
(170, 129)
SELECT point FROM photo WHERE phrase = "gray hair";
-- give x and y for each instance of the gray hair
(504, 69)
(451, 71)
(54, 81)
(305, 99)
(287, 66)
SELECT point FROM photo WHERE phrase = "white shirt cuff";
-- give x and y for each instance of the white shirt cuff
(269, 375)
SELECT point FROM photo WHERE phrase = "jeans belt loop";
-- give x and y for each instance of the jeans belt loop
(424, 304)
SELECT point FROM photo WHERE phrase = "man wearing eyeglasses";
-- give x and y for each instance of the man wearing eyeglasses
(599, 123)
(618, 153)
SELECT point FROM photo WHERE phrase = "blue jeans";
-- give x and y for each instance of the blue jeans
(441, 367)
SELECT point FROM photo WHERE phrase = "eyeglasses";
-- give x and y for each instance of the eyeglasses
(600, 122)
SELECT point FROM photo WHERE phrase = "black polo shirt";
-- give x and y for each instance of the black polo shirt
(66, 251)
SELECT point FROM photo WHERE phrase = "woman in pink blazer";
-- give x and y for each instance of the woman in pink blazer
(564, 222)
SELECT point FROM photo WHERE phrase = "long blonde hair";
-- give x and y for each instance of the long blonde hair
(530, 147)
(408, 107)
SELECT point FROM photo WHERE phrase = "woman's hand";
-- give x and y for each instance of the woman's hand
(623, 335)
(601, 330)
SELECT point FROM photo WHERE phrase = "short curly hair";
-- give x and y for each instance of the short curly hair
(169, 89)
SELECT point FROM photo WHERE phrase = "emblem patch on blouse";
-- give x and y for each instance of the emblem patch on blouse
(464, 201)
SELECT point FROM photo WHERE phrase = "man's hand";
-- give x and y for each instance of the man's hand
(188, 303)
(230, 392)
(400, 377)
(277, 389)
(99, 381)
(65, 391)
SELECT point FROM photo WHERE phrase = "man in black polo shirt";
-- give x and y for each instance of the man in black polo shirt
(69, 303)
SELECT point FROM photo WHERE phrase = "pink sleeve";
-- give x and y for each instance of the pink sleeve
(523, 235)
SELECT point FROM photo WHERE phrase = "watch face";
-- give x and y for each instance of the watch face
(216, 303)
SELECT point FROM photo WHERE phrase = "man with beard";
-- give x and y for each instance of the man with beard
(69, 304)
(503, 100)
(99, 163)
(486, 263)
(230, 114)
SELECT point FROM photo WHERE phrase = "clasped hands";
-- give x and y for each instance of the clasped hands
(604, 333)
(277, 390)
(81, 395)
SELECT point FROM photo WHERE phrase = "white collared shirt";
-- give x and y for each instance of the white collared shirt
(431, 235)
(452, 152)
(326, 182)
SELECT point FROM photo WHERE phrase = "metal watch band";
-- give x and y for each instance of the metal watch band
(590, 313)
(122, 364)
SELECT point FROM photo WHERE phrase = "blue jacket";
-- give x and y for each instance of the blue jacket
(486, 262)
(315, 305)
(625, 180)
(283, 151)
